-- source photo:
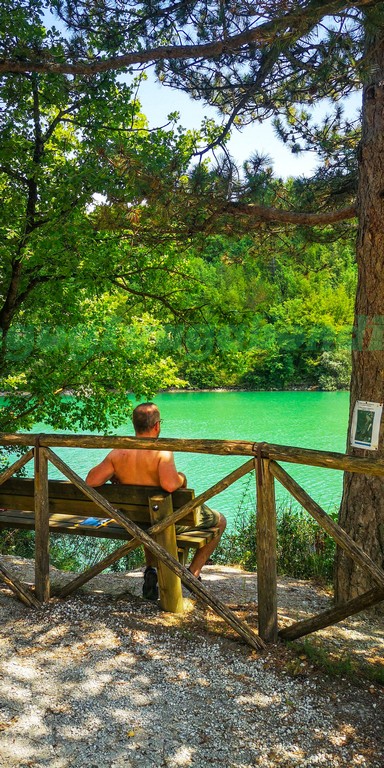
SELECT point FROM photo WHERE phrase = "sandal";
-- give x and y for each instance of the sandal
(150, 588)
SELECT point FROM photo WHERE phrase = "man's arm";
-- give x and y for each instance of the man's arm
(101, 473)
(170, 478)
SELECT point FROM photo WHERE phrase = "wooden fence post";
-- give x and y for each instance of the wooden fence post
(171, 597)
(266, 551)
(42, 586)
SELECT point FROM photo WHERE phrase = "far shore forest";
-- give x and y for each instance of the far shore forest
(281, 318)
(287, 315)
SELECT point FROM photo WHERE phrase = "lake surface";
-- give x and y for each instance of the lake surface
(307, 419)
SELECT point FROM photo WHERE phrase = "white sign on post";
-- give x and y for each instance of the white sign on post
(365, 427)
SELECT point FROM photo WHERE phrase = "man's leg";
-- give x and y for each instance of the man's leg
(150, 588)
(202, 555)
(150, 559)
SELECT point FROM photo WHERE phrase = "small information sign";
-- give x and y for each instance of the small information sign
(366, 425)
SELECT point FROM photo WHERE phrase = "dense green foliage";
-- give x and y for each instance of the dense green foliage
(304, 550)
(287, 309)
(81, 299)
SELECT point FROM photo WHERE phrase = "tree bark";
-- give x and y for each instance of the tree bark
(260, 213)
(12, 292)
(362, 507)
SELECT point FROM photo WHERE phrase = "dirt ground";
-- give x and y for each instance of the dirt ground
(107, 679)
(359, 639)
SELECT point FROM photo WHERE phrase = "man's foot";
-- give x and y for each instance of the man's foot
(196, 577)
(150, 588)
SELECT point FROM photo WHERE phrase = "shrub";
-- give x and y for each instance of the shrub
(304, 550)
(72, 553)
(334, 369)
(19, 543)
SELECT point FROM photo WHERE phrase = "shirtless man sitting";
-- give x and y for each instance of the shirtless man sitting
(133, 466)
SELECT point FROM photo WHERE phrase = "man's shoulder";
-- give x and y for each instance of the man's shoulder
(119, 455)
(115, 453)
(165, 455)
(119, 452)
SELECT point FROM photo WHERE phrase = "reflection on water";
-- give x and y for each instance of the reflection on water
(307, 419)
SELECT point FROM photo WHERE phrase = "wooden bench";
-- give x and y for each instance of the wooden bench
(69, 508)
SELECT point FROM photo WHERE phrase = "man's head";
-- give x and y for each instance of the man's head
(145, 417)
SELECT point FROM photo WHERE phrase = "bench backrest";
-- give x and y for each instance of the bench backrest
(66, 498)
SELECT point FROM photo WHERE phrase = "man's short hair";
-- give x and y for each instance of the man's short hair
(144, 417)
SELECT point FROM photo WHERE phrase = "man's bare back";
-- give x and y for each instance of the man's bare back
(138, 467)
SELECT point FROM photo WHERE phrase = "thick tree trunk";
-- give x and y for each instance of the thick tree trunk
(362, 508)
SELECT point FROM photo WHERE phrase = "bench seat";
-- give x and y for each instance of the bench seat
(68, 508)
(72, 524)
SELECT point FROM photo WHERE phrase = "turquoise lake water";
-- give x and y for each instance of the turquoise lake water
(315, 420)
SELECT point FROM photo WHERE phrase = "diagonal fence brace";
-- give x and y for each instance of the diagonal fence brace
(241, 627)
(342, 538)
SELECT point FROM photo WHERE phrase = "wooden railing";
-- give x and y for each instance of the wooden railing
(264, 459)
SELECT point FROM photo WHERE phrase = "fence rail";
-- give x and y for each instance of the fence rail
(265, 462)
(286, 453)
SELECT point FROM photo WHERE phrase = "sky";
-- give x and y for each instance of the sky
(158, 101)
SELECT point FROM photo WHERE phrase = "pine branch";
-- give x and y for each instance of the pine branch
(262, 213)
(286, 27)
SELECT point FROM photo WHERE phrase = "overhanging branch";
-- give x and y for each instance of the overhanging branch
(262, 213)
(286, 27)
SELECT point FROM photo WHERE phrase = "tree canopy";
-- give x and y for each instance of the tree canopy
(250, 61)
(62, 253)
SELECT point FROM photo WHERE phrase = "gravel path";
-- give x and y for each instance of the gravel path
(109, 681)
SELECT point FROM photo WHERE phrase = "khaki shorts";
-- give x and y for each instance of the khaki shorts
(206, 518)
